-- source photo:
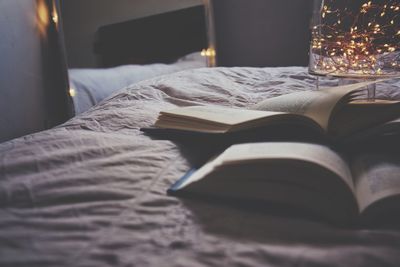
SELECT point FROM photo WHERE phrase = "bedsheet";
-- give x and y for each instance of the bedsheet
(93, 85)
(92, 192)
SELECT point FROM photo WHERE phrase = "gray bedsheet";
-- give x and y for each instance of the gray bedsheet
(92, 192)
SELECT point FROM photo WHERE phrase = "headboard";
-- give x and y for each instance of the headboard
(33, 74)
(256, 33)
(161, 38)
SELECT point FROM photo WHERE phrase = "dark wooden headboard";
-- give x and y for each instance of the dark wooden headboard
(158, 38)
(33, 73)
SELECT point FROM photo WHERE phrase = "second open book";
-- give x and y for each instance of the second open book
(305, 176)
(333, 112)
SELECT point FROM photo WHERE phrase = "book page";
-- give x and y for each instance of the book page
(303, 175)
(376, 176)
(316, 154)
(253, 152)
(317, 105)
(222, 115)
(298, 103)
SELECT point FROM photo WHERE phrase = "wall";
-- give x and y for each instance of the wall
(82, 18)
(262, 32)
(33, 78)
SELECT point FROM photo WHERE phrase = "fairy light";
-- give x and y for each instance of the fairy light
(54, 16)
(361, 39)
(210, 55)
(72, 92)
(209, 52)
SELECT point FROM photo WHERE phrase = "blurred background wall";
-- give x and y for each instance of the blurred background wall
(261, 33)
(82, 18)
(33, 74)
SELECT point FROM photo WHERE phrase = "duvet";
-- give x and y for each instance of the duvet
(92, 192)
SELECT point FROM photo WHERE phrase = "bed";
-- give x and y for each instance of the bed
(92, 191)
(90, 86)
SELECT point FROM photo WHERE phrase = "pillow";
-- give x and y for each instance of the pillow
(93, 85)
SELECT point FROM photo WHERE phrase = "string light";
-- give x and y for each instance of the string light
(357, 39)
(72, 92)
(209, 52)
(54, 16)
(210, 56)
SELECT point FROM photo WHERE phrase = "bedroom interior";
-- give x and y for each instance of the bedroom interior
(82, 183)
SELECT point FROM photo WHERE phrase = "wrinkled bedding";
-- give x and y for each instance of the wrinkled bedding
(92, 192)
(93, 85)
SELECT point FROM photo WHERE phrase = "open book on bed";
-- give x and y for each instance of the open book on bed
(335, 113)
(308, 177)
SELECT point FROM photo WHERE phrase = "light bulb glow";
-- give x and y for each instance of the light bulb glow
(367, 36)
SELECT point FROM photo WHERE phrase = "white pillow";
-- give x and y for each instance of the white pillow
(93, 85)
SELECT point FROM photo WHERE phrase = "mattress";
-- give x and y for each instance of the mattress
(92, 192)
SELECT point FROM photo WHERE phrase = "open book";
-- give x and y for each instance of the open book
(303, 176)
(334, 112)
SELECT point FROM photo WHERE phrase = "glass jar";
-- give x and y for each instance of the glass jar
(356, 39)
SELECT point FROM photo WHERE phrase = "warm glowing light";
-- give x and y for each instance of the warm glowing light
(210, 55)
(356, 39)
(54, 16)
(72, 92)
(43, 16)
(209, 52)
